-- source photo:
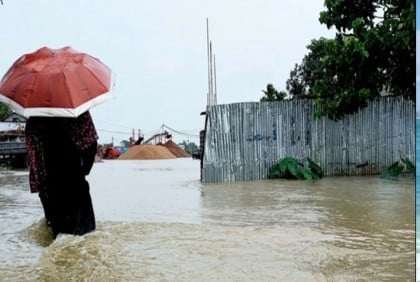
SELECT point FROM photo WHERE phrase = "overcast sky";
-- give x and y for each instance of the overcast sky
(158, 51)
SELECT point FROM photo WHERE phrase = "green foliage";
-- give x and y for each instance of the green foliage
(5, 111)
(297, 84)
(271, 94)
(125, 144)
(373, 52)
(405, 166)
(302, 77)
(315, 168)
(189, 146)
(409, 166)
(290, 168)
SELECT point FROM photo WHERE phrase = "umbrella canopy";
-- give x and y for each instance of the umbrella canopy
(56, 82)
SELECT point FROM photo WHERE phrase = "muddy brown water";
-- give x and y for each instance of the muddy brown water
(157, 222)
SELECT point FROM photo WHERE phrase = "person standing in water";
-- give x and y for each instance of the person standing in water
(61, 153)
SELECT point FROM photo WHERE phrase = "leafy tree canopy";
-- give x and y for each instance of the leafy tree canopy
(271, 94)
(373, 53)
(189, 146)
(5, 111)
(125, 144)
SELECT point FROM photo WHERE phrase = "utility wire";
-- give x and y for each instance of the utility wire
(112, 131)
(162, 128)
(114, 124)
(179, 132)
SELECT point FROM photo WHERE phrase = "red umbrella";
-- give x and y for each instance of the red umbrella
(55, 82)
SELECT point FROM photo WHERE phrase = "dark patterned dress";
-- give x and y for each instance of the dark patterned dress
(61, 153)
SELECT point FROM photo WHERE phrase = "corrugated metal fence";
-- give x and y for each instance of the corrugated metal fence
(244, 140)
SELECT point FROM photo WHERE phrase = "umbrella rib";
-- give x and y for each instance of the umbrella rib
(105, 86)
(67, 88)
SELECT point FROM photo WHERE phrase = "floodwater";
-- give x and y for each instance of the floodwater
(157, 222)
(418, 198)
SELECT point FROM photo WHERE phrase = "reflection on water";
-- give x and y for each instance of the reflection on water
(156, 221)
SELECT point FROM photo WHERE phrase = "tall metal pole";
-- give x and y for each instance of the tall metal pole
(211, 76)
(208, 64)
(215, 86)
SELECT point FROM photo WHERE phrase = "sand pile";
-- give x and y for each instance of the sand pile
(147, 152)
(176, 150)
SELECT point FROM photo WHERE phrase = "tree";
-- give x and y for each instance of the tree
(373, 52)
(302, 77)
(189, 146)
(5, 111)
(271, 94)
(125, 144)
(296, 84)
